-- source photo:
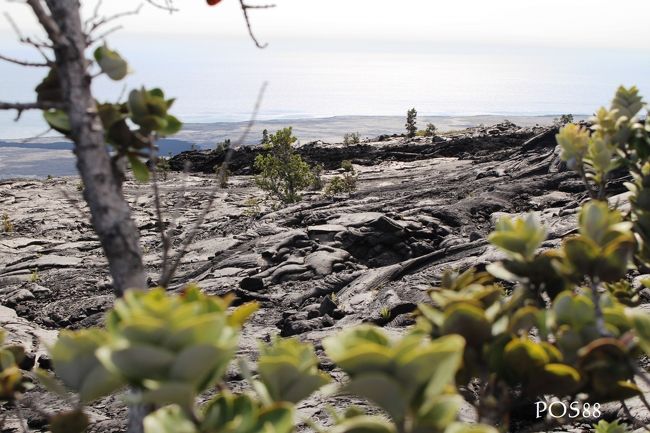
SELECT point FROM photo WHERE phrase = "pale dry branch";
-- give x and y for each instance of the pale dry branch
(24, 106)
(176, 260)
(96, 22)
(47, 22)
(91, 41)
(167, 6)
(25, 62)
(28, 41)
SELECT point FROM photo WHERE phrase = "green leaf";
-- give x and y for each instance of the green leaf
(98, 383)
(573, 141)
(364, 424)
(641, 324)
(164, 393)
(288, 369)
(169, 419)
(140, 169)
(276, 419)
(382, 390)
(75, 362)
(438, 412)
(137, 362)
(58, 120)
(173, 126)
(196, 364)
(111, 63)
(519, 237)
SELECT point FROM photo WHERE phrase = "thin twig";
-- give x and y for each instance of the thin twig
(24, 62)
(164, 237)
(20, 107)
(175, 261)
(96, 23)
(42, 134)
(22, 39)
(245, 7)
(51, 27)
(91, 41)
(598, 311)
(168, 6)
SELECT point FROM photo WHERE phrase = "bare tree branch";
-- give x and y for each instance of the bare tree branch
(90, 41)
(168, 6)
(51, 27)
(96, 22)
(24, 62)
(245, 7)
(164, 237)
(22, 39)
(22, 106)
(165, 279)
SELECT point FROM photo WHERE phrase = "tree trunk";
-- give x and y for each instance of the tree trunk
(110, 213)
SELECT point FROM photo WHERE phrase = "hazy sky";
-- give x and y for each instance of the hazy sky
(577, 23)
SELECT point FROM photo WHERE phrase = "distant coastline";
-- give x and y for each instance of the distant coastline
(38, 158)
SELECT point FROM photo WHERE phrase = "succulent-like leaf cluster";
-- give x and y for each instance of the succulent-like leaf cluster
(572, 300)
(11, 379)
(289, 370)
(412, 378)
(169, 347)
(578, 348)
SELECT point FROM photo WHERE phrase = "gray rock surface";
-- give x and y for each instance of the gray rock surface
(421, 207)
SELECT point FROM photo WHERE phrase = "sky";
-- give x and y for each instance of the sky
(618, 24)
(360, 57)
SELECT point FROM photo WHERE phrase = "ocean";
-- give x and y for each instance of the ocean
(217, 81)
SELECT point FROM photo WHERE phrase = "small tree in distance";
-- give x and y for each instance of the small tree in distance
(282, 172)
(411, 120)
(431, 130)
(351, 138)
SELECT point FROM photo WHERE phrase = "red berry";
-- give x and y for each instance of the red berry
(213, 2)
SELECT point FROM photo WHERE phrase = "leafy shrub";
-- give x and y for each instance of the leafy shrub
(351, 138)
(163, 167)
(283, 173)
(223, 175)
(7, 225)
(610, 427)
(170, 348)
(317, 177)
(563, 120)
(430, 131)
(12, 382)
(253, 208)
(582, 345)
(411, 120)
(345, 184)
